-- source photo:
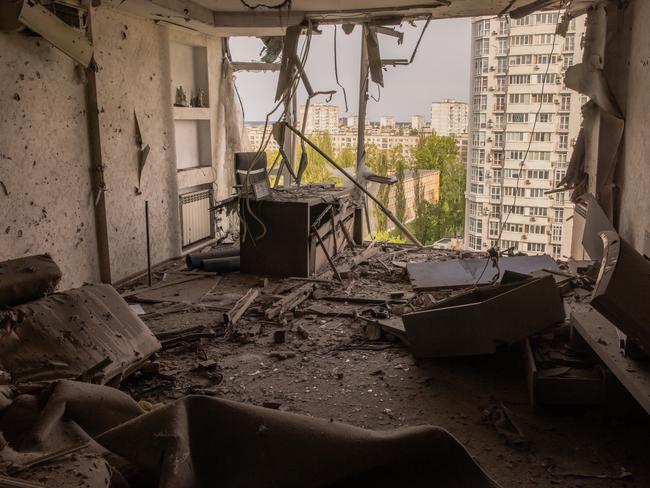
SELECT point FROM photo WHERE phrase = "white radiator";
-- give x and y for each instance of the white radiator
(195, 216)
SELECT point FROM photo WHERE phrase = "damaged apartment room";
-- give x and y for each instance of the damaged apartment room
(176, 311)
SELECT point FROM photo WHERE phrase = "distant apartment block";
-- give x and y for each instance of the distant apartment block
(382, 139)
(517, 70)
(449, 117)
(417, 122)
(387, 121)
(255, 133)
(430, 188)
(320, 117)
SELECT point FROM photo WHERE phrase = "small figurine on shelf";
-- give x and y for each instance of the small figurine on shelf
(181, 97)
(200, 98)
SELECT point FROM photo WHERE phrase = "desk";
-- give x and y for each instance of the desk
(289, 247)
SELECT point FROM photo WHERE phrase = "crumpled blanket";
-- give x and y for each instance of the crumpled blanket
(202, 441)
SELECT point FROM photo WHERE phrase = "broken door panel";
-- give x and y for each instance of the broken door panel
(480, 320)
(84, 332)
(71, 41)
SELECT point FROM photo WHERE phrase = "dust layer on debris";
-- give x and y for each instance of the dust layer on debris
(319, 360)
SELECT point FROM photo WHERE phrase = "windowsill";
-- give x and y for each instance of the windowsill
(191, 168)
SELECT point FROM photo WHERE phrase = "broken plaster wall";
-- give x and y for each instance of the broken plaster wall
(133, 55)
(627, 68)
(45, 159)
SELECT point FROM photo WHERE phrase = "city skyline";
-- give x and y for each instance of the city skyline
(435, 74)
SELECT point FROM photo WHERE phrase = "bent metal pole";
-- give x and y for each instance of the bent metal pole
(388, 213)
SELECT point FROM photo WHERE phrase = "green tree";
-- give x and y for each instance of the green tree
(400, 193)
(347, 157)
(380, 162)
(434, 151)
(318, 168)
(446, 217)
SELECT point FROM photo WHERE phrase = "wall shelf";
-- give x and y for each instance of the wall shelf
(191, 113)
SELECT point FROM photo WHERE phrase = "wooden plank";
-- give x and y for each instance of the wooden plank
(289, 302)
(603, 338)
(232, 317)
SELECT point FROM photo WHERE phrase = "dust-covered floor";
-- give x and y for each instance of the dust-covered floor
(327, 367)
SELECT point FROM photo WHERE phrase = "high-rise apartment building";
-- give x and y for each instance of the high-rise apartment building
(449, 117)
(321, 117)
(520, 110)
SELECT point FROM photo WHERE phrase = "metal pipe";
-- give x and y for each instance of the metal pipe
(387, 212)
(146, 223)
(361, 127)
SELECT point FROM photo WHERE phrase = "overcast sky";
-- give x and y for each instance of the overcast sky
(440, 70)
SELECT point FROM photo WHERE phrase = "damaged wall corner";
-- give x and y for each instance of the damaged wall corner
(627, 68)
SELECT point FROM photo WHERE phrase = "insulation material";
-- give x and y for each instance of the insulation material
(203, 441)
(603, 124)
(232, 111)
(26, 279)
(88, 331)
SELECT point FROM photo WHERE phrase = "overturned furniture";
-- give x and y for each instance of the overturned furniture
(295, 231)
(481, 319)
(87, 333)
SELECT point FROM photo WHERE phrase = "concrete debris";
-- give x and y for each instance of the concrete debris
(500, 417)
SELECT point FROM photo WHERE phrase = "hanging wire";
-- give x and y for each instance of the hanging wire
(376, 99)
(336, 71)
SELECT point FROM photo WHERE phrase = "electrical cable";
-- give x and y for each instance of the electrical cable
(417, 44)
(378, 98)
(336, 71)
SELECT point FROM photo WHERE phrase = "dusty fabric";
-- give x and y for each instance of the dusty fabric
(203, 441)
(88, 330)
(26, 279)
